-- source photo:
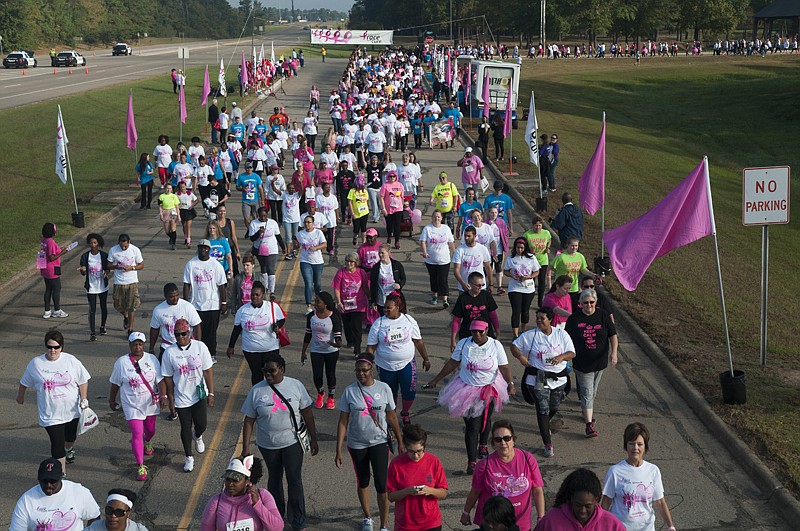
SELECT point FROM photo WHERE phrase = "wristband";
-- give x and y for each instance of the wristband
(465, 513)
(210, 394)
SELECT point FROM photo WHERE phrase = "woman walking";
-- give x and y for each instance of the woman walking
(144, 170)
(168, 204)
(324, 336)
(48, 262)
(351, 289)
(311, 242)
(522, 268)
(438, 246)
(94, 266)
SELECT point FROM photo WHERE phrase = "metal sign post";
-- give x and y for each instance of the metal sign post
(765, 202)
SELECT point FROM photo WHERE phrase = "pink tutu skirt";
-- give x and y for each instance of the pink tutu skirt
(469, 401)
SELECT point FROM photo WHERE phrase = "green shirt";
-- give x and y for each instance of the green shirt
(565, 264)
(539, 244)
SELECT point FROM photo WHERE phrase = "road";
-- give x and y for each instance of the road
(103, 69)
(705, 488)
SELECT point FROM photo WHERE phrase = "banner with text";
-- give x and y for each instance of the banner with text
(331, 36)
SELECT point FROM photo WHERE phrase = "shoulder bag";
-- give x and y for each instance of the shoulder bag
(301, 430)
(283, 335)
(138, 370)
(389, 440)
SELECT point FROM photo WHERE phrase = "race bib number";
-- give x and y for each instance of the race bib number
(394, 336)
(529, 283)
(349, 304)
(469, 168)
(241, 525)
(444, 202)
(362, 209)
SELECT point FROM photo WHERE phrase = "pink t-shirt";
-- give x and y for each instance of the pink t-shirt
(514, 480)
(368, 255)
(392, 194)
(551, 300)
(351, 286)
(50, 247)
(471, 170)
(247, 288)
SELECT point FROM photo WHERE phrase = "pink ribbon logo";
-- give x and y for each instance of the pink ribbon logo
(279, 405)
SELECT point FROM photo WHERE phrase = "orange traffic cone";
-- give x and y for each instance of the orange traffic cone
(54, 71)
(23, 71)
(70, 71)
(87, 69)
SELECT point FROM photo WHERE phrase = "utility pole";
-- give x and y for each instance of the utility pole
(451, 23)
(542, 25)
(293, 18)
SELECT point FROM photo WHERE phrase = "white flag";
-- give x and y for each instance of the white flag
(531, 133)
(223, 90)
(61, 149)
(272, 53)
(261, 55)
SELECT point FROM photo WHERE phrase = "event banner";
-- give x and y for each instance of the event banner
(442, 132)
(331, 36)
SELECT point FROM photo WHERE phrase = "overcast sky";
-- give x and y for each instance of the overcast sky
(339, 5)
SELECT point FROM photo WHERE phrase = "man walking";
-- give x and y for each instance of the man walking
(204, 284)
(125, 259)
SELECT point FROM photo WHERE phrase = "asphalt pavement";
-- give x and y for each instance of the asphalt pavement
(706, 488)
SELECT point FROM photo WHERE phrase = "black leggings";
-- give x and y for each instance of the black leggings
(93, 309)
(328, 361)
(208, 329)
(52, 290)
(353, 323)
(498, 148)
(255, 360)
(194, 414)
(520, 307)
(378, 457)
(276, 210)
(312, 140)
(473, 436)
(61, 434)
(542, 286)
(147, 194)
(438, 275)
(393, 225)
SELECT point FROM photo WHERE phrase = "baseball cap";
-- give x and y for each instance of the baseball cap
(274, 167)
(204, 243)
(233, 104)
(50, 469)
(468, 150)
(372, 232)
(311, 203)
(136, 336)
(478, 325)
(182, 325)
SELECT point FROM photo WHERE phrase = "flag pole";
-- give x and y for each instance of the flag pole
(719, 268)
(180, 121)
(69, 166)
(603, 207)
(135, 158)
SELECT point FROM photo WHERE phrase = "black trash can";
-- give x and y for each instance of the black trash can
(541, 204)
(77, 220)
(734, 388)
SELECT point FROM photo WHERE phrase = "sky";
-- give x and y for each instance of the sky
(339, 5)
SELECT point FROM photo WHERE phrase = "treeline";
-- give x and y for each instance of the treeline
(43, 23)
(618, 19)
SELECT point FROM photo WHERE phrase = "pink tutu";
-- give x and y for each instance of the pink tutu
(469, 401)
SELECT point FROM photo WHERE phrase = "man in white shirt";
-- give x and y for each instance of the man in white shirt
(251, 123)
(204, 284)
(471, 256)
(329, 157)
(376, 141)
(236, 112)
(54, 503)
(125, 259)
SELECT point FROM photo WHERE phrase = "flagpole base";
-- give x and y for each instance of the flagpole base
(510, 174)
(78, 220)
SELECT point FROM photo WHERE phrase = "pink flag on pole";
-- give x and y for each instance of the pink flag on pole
(485, 94)
(206, 88)
(182, 102)
(592, 183)
(507, 124)
(244, 71)
(131, 136)
(680, 218)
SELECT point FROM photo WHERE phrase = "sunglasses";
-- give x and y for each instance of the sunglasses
(181, 334)
(504, 438)
(119, 513)
(52, 347)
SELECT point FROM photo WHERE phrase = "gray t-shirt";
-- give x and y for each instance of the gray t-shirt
(376, 400)
(274, 428)
(100, 525)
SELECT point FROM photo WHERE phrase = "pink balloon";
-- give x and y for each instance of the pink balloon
(416, 216)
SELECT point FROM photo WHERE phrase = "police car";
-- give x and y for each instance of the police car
(121, 48)
(20, 59)
(68, 58)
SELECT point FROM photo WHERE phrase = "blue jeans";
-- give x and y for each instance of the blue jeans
(374, 204)
(312, 273)
(405, 379)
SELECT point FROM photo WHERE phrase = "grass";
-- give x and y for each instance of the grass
(95, 125)
(663, 117)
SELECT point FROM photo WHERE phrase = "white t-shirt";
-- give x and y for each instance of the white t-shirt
(184, 173)
(330, 159)
(203, 173)
(522, 266)
(194, 154)
(185, 366)
(484, 235)
(437, 243)
(204, 277)
(471, 259)
(268, 244)
(327, 206)
(633, 490)
(350, 158)
(256, 323)
(129, 257)
(394, 340)
(386, 282)
(541, 349)
(56, 383)
(283, 139)
(163, 155)
(364, 404)
(187, 200)
(409, 177)
(350, 131)
(320, 219)
(310, 125)
(376, 141)
(280, 184)
(274, 428)
(291, 207)
(134, 396)
(479, 363)
(97, 283)
(165, 315)
(66, 510)
(322, 332)
(308, 240)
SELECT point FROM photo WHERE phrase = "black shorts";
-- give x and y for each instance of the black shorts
(188, 214)
(498, 263)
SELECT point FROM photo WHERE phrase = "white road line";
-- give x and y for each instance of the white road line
(9, 86)
(80, 83)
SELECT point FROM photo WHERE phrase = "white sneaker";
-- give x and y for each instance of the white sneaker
(188, 464)
(60, 313)
(47, 314)
(366, 524)
(199, 445)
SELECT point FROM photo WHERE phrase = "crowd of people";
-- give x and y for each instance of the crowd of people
(350, 180)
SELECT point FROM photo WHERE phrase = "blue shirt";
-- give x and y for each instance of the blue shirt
(144, 176)
(464, 212)
(502, 202)
(261, 129)
(455, 113)
(219, 249)
(250, 183)
(238, 131)
(416, 125)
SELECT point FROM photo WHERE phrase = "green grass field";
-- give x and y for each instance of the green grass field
(662, 118)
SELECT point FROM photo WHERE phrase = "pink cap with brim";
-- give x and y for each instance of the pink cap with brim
(372, 232)
(478, 325)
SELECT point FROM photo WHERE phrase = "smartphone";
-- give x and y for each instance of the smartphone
(419, 487)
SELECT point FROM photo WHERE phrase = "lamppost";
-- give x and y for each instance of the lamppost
(451, 23)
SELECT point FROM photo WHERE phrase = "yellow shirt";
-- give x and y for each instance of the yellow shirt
(359, 202)
(169, 201)
(445, 196)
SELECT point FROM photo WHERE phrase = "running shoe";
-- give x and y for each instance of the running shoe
(483, 451)
(590, 431)
(70, 455)
(172, 416)
(406, 418)
(92, 337)
(445, 304)
(148, 448)
(470, 468)
(188, 464)
(199, 445)
(548, 450)
(125, 323)
(60, 313)
(434, 301)
(320, 400)
(366, 524)
(103, 331)
(141, 473)
(330, 403)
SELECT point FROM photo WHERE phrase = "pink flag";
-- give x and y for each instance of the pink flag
(679, 219)
(182, 102)
(469, 79)
(131, 136)
(592, 183)
(206, 88)
(447, 71)
(244, 71)
(485, 94)
(507, 124)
